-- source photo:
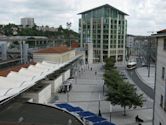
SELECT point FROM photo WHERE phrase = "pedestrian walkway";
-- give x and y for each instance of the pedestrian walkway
(142, 73)
(87, 93)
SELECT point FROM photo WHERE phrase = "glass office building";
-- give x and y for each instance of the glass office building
(106, 26)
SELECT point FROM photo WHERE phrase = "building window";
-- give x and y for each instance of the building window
(161, 101)
(163, 72)
(164, 44)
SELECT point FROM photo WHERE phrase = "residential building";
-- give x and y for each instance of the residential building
(106, 26)
(47, 28)
(130, 46)
(130, 41)
(160, 83)
(27, 22)
(141, 46)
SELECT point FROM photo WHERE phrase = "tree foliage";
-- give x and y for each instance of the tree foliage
(27, 31)
(109, 63)
(120, 92)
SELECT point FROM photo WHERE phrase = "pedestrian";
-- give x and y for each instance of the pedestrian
(91, 68)
(95, 73)
(136, 118)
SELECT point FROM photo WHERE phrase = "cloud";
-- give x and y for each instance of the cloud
(144, 15)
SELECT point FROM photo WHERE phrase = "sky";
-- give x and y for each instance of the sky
(145, 16)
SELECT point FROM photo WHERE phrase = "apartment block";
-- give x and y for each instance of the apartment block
(160, 83)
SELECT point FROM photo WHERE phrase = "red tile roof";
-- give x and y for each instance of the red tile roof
(5, 72)
(60, 49)
(75, 44)
(162, 31)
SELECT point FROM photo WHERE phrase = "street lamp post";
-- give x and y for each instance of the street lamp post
(103, 86)
(68, 24)
(76, 73)
(149, 57)
(110, 111)
(67, 96)
(99, 114)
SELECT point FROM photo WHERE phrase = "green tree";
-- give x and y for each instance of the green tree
(109, 63)
(119, 91)
(124, 94)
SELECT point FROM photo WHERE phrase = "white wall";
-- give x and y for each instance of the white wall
(45, 95)
(42, 96)
(160, 114)
(55, 84)
(66, 74)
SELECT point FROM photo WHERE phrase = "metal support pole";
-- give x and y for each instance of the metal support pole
(67, 96)
(99, 114)
(110, 111)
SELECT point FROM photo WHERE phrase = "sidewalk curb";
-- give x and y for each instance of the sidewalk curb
(141, 78)
(136, 71)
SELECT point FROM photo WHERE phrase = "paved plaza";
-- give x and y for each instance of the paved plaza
(87, 90)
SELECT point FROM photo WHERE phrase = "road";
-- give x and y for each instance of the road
(145, 88)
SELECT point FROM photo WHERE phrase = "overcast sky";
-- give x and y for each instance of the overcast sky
(145, 16)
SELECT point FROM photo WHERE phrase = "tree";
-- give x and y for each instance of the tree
(112, 78)
(124, 95)
(109, 63)
(119, 91)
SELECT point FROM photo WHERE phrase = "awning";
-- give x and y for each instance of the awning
(104, 123)
(86, 114)
(95, 119)
(69, 108)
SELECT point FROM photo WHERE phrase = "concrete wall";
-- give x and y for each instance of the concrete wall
(42, 96)
(66, 74)
(159, 113)
(47, 57)
(54, 57)
(45, 95)
(90, 53)
(55, 84)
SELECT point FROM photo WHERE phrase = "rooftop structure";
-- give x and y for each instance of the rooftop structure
(106, 5)
(6, 71)
(18, 82)
(20, 38)
(36, 114)
(60, 49)
(162, 31)
(58, 54)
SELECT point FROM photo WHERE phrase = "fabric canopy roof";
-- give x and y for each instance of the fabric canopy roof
(17, 82)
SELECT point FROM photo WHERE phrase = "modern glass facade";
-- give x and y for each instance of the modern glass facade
(106, 26)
